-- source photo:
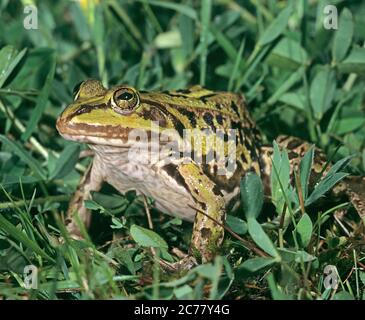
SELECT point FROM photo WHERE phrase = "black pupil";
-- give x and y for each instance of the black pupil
(126, 96)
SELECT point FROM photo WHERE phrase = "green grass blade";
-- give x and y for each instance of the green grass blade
(19, 150)
(42, 100)
(205, 15)
(17, 234)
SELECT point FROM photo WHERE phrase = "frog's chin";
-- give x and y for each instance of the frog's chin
(94, 140)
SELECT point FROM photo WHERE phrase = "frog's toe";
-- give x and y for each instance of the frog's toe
(185, 264)
(73, 230)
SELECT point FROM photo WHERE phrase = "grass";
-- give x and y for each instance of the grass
(298, 78)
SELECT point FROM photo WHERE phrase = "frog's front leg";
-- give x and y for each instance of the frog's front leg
(207, 233)
(92, 180)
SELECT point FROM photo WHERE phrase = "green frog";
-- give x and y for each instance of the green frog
(189, 175)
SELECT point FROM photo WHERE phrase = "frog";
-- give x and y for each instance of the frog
(192, 181)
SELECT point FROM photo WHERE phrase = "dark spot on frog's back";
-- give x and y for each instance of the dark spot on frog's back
(178, 125)
(172, 94)
(293, 155)
(161, 109)
(294, 143)
(219, 119)
(206, 233)
(235, 108)
(206, 97)
(184, 91)
(208, 118)
(190, 115)
(154, 114)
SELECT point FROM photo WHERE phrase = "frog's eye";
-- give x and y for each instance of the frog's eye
(125, 100)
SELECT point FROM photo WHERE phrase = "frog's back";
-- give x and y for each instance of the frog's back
(200, 108)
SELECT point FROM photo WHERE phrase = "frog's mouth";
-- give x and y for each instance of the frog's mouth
(94, 134)
(108, 135)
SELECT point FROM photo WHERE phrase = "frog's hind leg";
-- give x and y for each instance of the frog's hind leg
(353, 187)
(208, 231)
(355, 191)
(91, 181)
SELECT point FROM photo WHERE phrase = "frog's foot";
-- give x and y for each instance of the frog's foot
(185, 264)
(73, 230)
(356, 193)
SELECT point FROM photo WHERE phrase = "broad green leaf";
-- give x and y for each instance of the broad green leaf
(19, 150)
(19, 235)
(207, 270)
(110, 201)
(286, 85)
(9, 59)
(125, 257)
(303, 256)
(276, 27)
(252, 195)
(256, 264)
(280, 160)
(343, 295)
(287, 54)
(116, 224)
(305, 168)
(280, 179)
(147, 238)
(276, 291)
(347, 125)
(237, 225)
(355, 62)
(225, 280)
(66, 162)
(297, 256)
(325, 185)
(343, 36)
(165, 255)
(304, 229)
(294, 99)
(322, 91)
(259, 236)
(169, 39)
(362, 277)
(12, 179)
(183, 292)
(339, 165)
(219, 273)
